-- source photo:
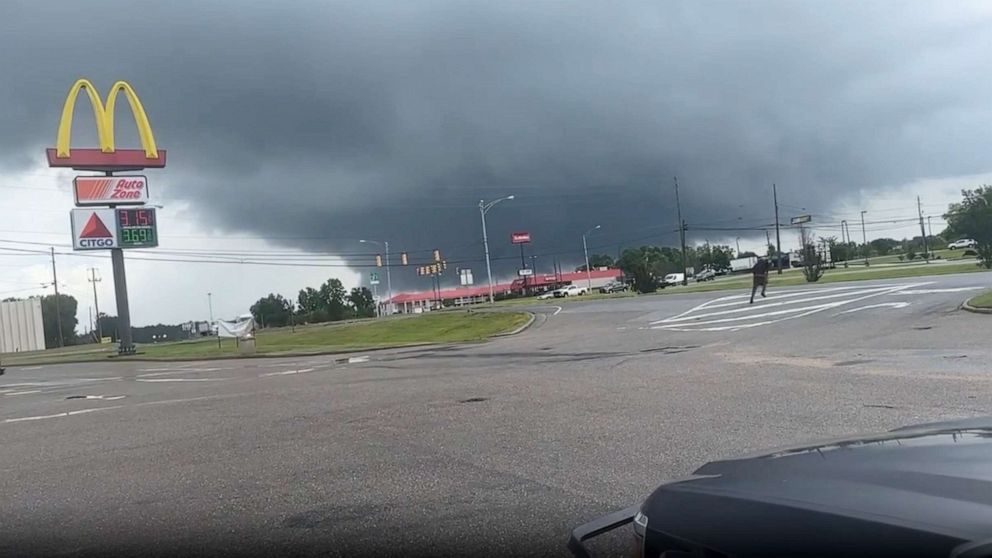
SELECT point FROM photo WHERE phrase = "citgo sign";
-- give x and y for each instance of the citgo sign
(94, 229)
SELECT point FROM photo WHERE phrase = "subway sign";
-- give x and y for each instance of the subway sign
(108, 228)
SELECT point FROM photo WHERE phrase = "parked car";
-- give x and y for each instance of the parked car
(546, 295)
(570, 290)
(613, 287)
(705, 275)
(674, 278)
(915, 491)
(962, 243)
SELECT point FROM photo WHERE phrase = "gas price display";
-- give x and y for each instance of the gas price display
(137, 228)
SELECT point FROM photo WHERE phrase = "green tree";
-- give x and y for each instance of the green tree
(972, 218)
(597, 260)
(812, 260)
(362, 302)
(108, 326)
(309, 300)
(332, 296)
(49, 317)
(649, 263)
(884, 246)
(272, 311)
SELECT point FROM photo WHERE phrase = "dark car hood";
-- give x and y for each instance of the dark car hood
(934, 477)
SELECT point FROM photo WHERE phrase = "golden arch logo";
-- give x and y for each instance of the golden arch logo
(107, 157)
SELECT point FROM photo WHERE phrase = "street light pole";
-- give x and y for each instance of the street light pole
(738, 246)
(483, 209)
(585, 249)
(864, 236)
(210, 305)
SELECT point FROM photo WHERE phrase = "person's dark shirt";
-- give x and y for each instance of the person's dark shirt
(761, 267)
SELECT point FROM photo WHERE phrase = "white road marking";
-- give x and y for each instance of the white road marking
(23, 392)
(32, 368)
(358, 359)
(180, 369)
(935, 291)
(286, 372)
(557, 310)
(749, 308)
(189, 399)
(102, 397)
(879, 305)
(181, 379)
(776, 316)
(60, 415)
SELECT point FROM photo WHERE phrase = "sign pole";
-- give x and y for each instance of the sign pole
(126, 346)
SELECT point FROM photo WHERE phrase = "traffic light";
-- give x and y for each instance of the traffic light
(378, 260)
(437, 255)
(403, 259)
(444, 265)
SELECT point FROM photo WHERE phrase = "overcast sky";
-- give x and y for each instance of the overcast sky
(305, 126)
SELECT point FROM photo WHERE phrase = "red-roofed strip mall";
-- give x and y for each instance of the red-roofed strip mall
(424, 301)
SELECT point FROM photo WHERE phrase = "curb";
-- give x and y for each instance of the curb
(974, 309)
(530, 321)
(116, 358)
(138, 358)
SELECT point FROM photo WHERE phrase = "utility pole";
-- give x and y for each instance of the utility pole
(738, 246)
(845, 240)
(778, 236)
(929, 227)
(768, 240)
(58, 305)
(96, 304)
(864, 236)
(923, 231)
(682, 227)
(585, 250)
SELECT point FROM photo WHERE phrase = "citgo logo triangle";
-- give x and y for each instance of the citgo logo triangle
(95, 229)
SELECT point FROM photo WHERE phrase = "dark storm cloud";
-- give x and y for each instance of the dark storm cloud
(390, 120)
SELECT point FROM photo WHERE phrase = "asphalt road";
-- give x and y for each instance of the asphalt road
(489, 449)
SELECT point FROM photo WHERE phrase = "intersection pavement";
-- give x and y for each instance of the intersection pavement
(490, 448)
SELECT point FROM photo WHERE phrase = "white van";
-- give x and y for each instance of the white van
(674, 279)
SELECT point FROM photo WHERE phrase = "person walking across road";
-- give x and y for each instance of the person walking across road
(760, 271)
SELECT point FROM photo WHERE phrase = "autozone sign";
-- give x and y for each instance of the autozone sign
(519, 238)
(94, 229)
(104, 190)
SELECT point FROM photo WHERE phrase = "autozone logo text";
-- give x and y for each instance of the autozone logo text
(128, 190)
(112, 189)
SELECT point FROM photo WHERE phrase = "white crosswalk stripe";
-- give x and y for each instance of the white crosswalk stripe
(734, 313)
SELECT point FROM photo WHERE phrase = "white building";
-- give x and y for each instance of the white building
(21, 328)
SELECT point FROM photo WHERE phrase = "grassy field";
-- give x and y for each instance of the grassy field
(983, 300)
(894, 258)
(441, 327)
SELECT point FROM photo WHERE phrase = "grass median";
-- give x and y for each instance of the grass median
(983, 300)
(439, 327)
